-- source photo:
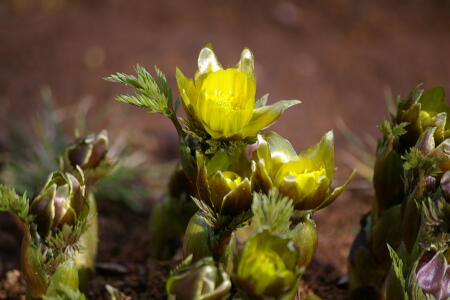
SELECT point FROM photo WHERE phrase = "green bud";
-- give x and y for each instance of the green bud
(59, 202)
(426, 142)
(203, 280)
(305, 239)
(90, 154)
(197, 238)
(267, 266)
(224, 182)
(422, 110)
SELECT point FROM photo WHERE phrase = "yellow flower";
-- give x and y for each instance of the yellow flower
(305, 177)
(222, 101)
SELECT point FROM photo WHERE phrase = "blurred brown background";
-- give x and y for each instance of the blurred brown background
(341, 58)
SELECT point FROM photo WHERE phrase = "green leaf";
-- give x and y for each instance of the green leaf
(397, 265)
(19, 205)
(152, 93)
(392, 130)
(434, 100)
(415, 159)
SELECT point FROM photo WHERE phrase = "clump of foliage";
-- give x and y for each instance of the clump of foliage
(409, 220)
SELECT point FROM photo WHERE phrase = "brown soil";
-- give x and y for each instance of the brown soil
(340, 58)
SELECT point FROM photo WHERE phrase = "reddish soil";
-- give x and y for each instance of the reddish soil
(340, 58)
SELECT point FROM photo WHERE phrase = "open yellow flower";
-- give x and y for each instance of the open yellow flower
(305, 177)
(222, 101)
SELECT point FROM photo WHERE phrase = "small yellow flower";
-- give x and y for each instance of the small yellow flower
(305, 177)
(222, 101)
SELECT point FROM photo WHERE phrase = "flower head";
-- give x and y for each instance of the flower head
(222, 101)
(305, 177)
(266, 266)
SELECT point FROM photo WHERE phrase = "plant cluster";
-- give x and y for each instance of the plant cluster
(59, 223)
(250, 234)
(240, 203)
(402, 250)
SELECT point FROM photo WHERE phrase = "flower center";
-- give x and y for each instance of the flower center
(232, 179)
(227, 88)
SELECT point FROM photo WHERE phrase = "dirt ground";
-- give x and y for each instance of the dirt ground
(341, 58)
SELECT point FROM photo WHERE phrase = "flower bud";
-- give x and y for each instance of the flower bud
(197, 238)
(426, 142)
(59, 202)
(266, 266)
(422, 110)
(225, 183)
(433, 277)
(203, 280)
(305, 239)
(90, 154)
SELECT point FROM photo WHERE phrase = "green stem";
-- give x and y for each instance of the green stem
(173, 117)
(220, 245)
(85, 260)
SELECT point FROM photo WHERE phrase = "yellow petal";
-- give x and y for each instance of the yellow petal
(246, 64)
(226, 102)
(187, 90)
(207, 61)
(322, 154)
(265, 116)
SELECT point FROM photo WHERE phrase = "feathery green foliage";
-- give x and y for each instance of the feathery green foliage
(416, 159)
(19, 205)
(152, 93)
(389, 129)
(272, 210)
